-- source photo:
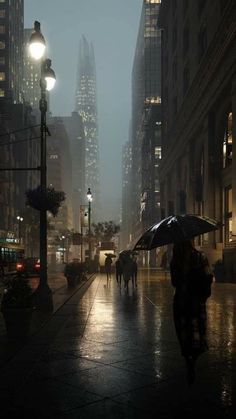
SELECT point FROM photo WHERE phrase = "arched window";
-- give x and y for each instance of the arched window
(228, 142)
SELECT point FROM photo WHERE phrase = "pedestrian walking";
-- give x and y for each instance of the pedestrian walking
(134, 272)
(108, 263)
(191, 277)
(119, 270)
(127, 270)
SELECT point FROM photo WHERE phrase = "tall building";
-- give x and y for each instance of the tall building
(59, 176)
(75, 130)
(11, 50)
(86, 106)
(20, 147)
(31, 74)
(146, 103)
(126, 195)
(198, 169)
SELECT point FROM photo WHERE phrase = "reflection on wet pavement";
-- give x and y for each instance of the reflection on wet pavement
(116, 355)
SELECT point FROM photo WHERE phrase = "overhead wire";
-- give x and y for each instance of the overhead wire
(19, 141)
(19, 130)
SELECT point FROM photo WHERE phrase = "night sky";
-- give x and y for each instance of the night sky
(112, 26)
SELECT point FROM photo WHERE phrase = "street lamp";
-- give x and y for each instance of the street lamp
(90, 198)
(37, 48)
(20, 219)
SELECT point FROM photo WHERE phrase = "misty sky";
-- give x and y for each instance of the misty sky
(112, 26)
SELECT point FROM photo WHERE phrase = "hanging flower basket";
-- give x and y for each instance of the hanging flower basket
(45, 199)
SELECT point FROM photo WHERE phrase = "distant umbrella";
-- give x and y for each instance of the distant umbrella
(174, 229)
(111, 255)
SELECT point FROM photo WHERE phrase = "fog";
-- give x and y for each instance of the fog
(112, 27)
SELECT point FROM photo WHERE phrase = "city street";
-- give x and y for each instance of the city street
(114, 354)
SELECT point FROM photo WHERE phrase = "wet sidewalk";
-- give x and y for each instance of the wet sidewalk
(113, 354)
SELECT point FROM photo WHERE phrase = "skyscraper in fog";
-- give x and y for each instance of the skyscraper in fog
(86, 106)
(31, 74)
(146, 120)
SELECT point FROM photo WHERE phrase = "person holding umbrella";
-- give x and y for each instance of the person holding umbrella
(191, 278)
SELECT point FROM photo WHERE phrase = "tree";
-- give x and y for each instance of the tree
(49, 199)
(105, 231)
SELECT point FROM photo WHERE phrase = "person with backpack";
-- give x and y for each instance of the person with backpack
(191, 277)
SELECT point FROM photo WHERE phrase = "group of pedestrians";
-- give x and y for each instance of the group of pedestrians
(126, 268)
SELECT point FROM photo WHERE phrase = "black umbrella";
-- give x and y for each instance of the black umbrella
(175, 228)
(111, 255)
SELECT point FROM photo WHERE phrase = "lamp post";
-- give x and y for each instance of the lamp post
(37, 48)
(90, 198)
(20, 219)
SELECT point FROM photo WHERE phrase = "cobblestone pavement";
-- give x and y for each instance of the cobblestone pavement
(114, 354)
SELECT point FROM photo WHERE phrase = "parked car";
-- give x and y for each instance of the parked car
(28, 267)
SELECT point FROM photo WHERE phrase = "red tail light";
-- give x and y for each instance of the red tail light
(19, 266)
(37, 265)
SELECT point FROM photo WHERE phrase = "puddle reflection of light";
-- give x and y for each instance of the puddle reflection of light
(226, 392)
(221, 321)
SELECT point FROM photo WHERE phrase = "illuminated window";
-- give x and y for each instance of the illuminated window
(2, 76)
(228, 142)
(157, 185)
(158, 153)
(2, 92)
(2, 45)
(228, 214)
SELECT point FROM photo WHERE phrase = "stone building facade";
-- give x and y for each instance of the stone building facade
(198, 168)
(146, 106)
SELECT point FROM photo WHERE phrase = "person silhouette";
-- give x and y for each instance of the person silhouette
(191, 278)
(134, 272)
(108, 263)
(119, 270)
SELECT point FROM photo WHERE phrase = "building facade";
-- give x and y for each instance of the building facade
(75, 130)
(146, 103)
(31, 74)
(11, 50)
(86, 106)
(59, 177)
(199, 125)
(126, 221)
